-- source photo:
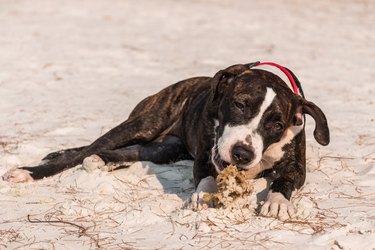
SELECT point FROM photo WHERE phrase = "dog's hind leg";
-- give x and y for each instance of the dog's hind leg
(130, 132)
(167, 150)
(64, 153)
(138, 130)
(149, 119)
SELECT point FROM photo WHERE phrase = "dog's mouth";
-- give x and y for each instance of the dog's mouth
(220, 164)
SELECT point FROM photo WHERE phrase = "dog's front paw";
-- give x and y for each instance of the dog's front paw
(18, 175)
(277, 206)
(206, 186)
(198, 201)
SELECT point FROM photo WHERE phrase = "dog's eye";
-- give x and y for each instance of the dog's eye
(239, 105)
(278, 126)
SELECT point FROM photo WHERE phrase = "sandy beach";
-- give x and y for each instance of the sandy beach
(72, 70)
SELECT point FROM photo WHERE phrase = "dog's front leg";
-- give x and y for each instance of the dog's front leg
(277, 205)
(291, 177)
(291, 171)
(206, 185)
(205, 182)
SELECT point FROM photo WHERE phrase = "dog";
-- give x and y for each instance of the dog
(242, 115)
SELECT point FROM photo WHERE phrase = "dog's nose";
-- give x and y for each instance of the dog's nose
(242, 154)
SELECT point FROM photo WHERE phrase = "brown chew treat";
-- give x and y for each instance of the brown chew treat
(234, 187)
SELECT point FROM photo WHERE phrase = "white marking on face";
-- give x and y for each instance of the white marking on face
(275, 151)
(213, 154)
(238, 134)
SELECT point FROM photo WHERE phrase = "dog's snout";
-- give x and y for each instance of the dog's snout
(242, 154)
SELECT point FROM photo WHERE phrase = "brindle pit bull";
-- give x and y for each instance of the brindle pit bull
(243, 116)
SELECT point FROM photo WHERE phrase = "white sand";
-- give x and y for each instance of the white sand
(71, 70)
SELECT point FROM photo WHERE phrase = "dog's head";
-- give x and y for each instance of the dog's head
(256, 109)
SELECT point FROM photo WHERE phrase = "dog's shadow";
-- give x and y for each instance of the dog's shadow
(177, 178)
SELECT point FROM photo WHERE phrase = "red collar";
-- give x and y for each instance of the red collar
(285, 71)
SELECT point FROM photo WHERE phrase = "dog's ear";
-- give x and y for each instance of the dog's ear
(321, 131)
(221, 78)
(217, 82)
